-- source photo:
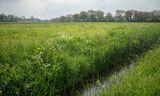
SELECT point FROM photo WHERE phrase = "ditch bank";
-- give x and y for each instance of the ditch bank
(92, 89)
(114, 60)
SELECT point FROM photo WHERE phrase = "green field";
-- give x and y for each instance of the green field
(52, 59)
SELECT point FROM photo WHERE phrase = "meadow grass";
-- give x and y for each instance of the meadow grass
(50, 59)
(143, 80)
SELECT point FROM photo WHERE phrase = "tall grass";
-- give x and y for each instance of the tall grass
(50, 59)
(143, 80)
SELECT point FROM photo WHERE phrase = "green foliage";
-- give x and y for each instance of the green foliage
(142, 81)
(50, 59)
(120, 16)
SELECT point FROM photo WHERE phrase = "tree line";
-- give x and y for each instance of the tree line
(93, 16)
(13, 18)
(120, 16)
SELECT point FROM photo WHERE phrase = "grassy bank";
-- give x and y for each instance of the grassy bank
(143, 80)
(48, 59)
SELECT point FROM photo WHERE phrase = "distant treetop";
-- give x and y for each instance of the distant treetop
(94, 16)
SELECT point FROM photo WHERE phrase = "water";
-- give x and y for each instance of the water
(93, 89)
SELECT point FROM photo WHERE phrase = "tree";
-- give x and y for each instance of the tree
(83, 16)
(32, 18)
(155, 15)
(62, 19)
(76, 17)
(91, 16)
(100, 15)
(140, 16)
(11, 18)
(68, 18)
(3, 18)
(94, 16)
(129, 15)
(109, 17)
(119, 15)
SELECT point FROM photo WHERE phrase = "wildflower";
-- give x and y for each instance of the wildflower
(47, 65)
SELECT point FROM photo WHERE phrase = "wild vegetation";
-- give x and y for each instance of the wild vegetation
(143, 80)
(50, 59)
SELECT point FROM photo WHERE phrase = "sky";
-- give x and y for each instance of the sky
(47, 9)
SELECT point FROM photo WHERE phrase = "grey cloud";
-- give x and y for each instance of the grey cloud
(8, 1)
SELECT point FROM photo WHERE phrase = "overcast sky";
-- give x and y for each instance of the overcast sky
(46, 9)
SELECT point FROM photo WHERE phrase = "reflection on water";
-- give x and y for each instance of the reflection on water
(93, 89)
